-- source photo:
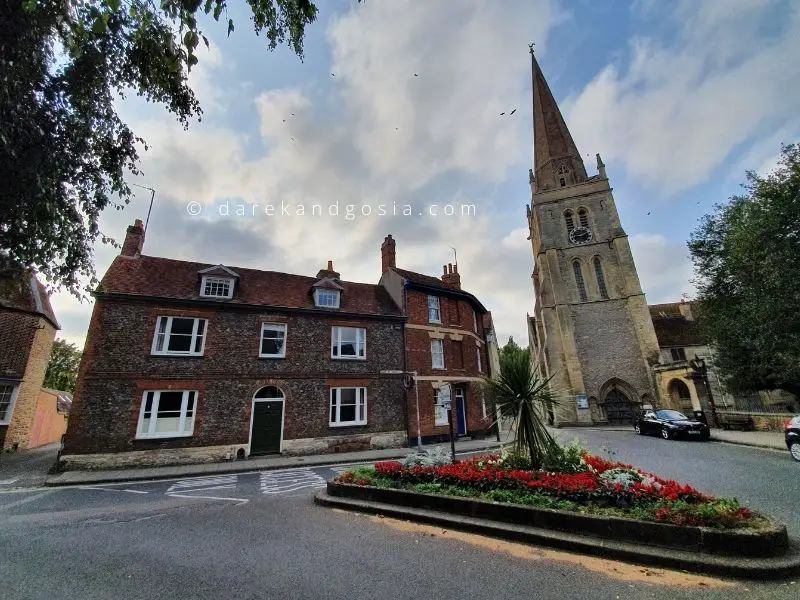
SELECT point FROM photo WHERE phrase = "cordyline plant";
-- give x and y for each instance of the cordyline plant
(522, 394)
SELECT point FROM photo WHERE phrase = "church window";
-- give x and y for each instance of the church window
(601, 280)
(569, 220)
(583, 218)
(563, 182)
(563, 170)
(576, 267)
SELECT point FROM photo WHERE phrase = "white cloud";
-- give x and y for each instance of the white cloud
(664, 267)
(395, 134)
(681, 108)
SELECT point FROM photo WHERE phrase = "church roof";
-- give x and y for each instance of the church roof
(552, 142)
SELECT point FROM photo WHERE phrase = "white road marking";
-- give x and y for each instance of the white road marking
(26, 500)
(8, 481)
(113, 490)
(186, 485)
(273, 482)
(187, 488)
(238, 500)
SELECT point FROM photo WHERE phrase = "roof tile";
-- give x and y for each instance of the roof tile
(156, 277)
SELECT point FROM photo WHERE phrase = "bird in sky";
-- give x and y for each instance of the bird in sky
(513, 111)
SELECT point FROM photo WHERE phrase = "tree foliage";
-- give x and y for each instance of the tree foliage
(64, 151)
(747, 259)
(521, 394)
(62, 370)
(510, 347)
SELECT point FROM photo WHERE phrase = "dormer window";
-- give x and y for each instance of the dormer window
(216, 287)
(217, 282)
(326, 298)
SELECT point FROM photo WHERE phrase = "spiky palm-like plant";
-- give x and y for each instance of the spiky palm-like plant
(522, 394)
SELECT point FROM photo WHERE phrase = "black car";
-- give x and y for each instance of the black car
(671, 424)
(793, 437)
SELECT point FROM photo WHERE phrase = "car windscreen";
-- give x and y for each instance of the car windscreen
(670, 415)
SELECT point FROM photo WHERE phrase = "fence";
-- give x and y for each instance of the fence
(775, 402)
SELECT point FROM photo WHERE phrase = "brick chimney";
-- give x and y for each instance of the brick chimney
(450, 277)
(134, 240)
(329, 272)
(387, 254)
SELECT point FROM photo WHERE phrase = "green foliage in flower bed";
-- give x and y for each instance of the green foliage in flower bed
(577, 481)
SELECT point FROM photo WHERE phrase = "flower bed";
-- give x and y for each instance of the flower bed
(598, 486)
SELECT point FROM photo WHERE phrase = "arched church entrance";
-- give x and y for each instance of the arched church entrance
(619, 406)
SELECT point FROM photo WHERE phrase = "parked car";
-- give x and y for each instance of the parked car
(793, 437)
(670, 424)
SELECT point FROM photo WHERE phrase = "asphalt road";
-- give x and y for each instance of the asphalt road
(260, 536)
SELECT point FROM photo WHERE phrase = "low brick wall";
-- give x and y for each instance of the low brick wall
(149, 458)
(345, 443)
(770, 542)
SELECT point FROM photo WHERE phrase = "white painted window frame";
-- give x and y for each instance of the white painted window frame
(167, 333)
(320, 293)
(475, 321)
(336, 400)
(151, 434)
(273, 326)
(206, 279)
(478, 354)
(439, 353)
(434, 305)
(12, 401)
(336, 342)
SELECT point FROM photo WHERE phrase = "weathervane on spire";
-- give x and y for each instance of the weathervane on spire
(530, 47)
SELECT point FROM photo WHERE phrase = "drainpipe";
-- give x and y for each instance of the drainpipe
(414, 373)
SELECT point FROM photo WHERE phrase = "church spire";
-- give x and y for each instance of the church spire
(556, 160)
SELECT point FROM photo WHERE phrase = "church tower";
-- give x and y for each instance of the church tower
(591, 328)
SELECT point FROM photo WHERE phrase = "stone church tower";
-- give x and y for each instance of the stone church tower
(591, 328)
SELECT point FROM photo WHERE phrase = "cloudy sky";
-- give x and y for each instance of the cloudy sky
(398, 103)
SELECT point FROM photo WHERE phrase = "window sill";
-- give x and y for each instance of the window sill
(271, 356)
(346, 358)
(165, 355)
(438, 368)
(165, 436)
(350, 424)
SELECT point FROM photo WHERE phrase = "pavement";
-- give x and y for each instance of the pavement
(27, 468)
(259, 535)
(757, 439)
(256, 464)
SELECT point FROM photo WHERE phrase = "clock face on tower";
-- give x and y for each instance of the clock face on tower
(580, 235)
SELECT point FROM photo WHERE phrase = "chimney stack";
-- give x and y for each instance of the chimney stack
(134, 240)
(329, 272)
(387, 254)
(451, 278)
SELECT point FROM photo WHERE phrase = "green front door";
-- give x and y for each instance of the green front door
(267, 419)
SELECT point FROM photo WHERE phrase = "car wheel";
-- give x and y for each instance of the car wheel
(637, 429)
(794, 450)
(665, 433)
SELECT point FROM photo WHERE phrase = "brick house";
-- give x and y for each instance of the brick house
(28, 327)
(446, 342)
(189, 362)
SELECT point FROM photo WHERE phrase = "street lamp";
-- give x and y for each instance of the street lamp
(699, 365)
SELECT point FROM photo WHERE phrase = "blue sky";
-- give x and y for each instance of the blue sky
(399, 101)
